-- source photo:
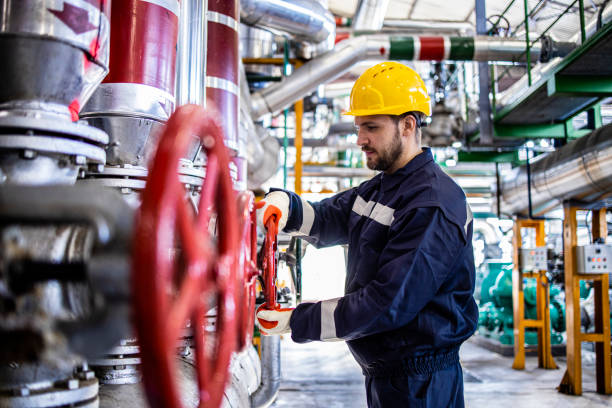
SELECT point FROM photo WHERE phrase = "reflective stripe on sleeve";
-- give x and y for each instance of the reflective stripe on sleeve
(328, 323)
(308, 216)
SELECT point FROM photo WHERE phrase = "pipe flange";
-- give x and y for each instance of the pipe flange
(79, 391)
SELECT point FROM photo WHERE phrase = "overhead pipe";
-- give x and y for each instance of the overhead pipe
(265, 395)
(347, 53)
(458, 27)
(370, 15)
(305, 20)
(580, 170)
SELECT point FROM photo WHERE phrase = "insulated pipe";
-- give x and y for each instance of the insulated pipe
(270, 372)
(222, 80)
(305, 20)
(191, 53)
(137, 95)
(376, 47)
(459, 27)
(370, 15)
(580, 170)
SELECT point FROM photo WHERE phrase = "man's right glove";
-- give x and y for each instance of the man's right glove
(273, 322)
(276, 204)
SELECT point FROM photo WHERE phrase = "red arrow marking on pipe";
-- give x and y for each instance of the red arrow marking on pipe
(76, 18)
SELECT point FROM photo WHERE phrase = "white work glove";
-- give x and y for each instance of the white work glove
(274, 322)
(276, 204)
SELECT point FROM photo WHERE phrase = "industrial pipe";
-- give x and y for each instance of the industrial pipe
(579, 170)
(270, 372)
(370, 15)
(137, 95)
(305, 20)
(459, 27)
(191, 53)
(222, 80)
(376, 47)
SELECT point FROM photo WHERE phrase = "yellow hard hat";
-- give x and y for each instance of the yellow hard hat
(389, 88)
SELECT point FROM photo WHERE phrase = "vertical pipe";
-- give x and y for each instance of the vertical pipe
(527, 40)
(285, 114)
(582, 23)
(484, 105)
(299, 111)
(191, 52)
(222, 72)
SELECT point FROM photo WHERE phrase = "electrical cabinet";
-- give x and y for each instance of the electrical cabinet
(594, 258)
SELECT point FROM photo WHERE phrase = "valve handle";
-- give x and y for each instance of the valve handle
(248, 267)
(173, 285)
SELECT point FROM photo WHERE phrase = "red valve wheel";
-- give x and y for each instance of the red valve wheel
(248, 266)
(269, 265)
(171, 286)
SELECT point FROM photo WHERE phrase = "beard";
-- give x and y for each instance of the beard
(388, 156)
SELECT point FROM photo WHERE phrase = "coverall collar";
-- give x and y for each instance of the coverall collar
(389, 181)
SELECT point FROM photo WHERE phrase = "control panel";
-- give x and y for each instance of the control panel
(594, 258)
(533, 259)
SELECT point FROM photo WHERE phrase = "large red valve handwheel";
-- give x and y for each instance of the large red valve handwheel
(179, 271)
(269, 265)
(248, 266)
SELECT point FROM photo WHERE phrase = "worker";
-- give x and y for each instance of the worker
(409, 301)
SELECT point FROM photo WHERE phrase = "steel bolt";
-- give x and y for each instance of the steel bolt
(80, 160)
(125, 190)
(86, 375)
(96, 168)
(82, 173)
(28, 154)
(71, 384)
(22, 392)
(208, 142)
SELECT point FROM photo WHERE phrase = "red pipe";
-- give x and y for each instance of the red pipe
(143, 44)
(222, 65)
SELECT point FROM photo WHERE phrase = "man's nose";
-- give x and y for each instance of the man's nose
(362, 140)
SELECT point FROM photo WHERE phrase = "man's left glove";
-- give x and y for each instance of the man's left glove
(273, 322)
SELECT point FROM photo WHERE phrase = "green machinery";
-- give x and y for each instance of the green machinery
(495, 305)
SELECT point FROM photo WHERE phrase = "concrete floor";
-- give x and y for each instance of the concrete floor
(325, 375)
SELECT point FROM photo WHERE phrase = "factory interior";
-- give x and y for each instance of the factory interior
(138, 136)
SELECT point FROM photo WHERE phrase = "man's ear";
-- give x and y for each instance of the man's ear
(408, 125)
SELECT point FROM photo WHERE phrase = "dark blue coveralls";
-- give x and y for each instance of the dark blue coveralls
(410, 281)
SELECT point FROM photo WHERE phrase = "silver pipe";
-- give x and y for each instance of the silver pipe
(459, 27)
(270, 372)
(347, 53)
(318, 71)
(191, 53)
(580, 170)
(499, 49)
(305, 20)
(370, 15)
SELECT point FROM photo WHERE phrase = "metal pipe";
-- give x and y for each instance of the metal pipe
(305, 20)
(370, 15)
(458, 27)
(381, 47)
(191, 52)
(299, 112)
(580, 170)
(270, 372)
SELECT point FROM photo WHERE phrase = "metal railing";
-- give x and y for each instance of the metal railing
(529, 13)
